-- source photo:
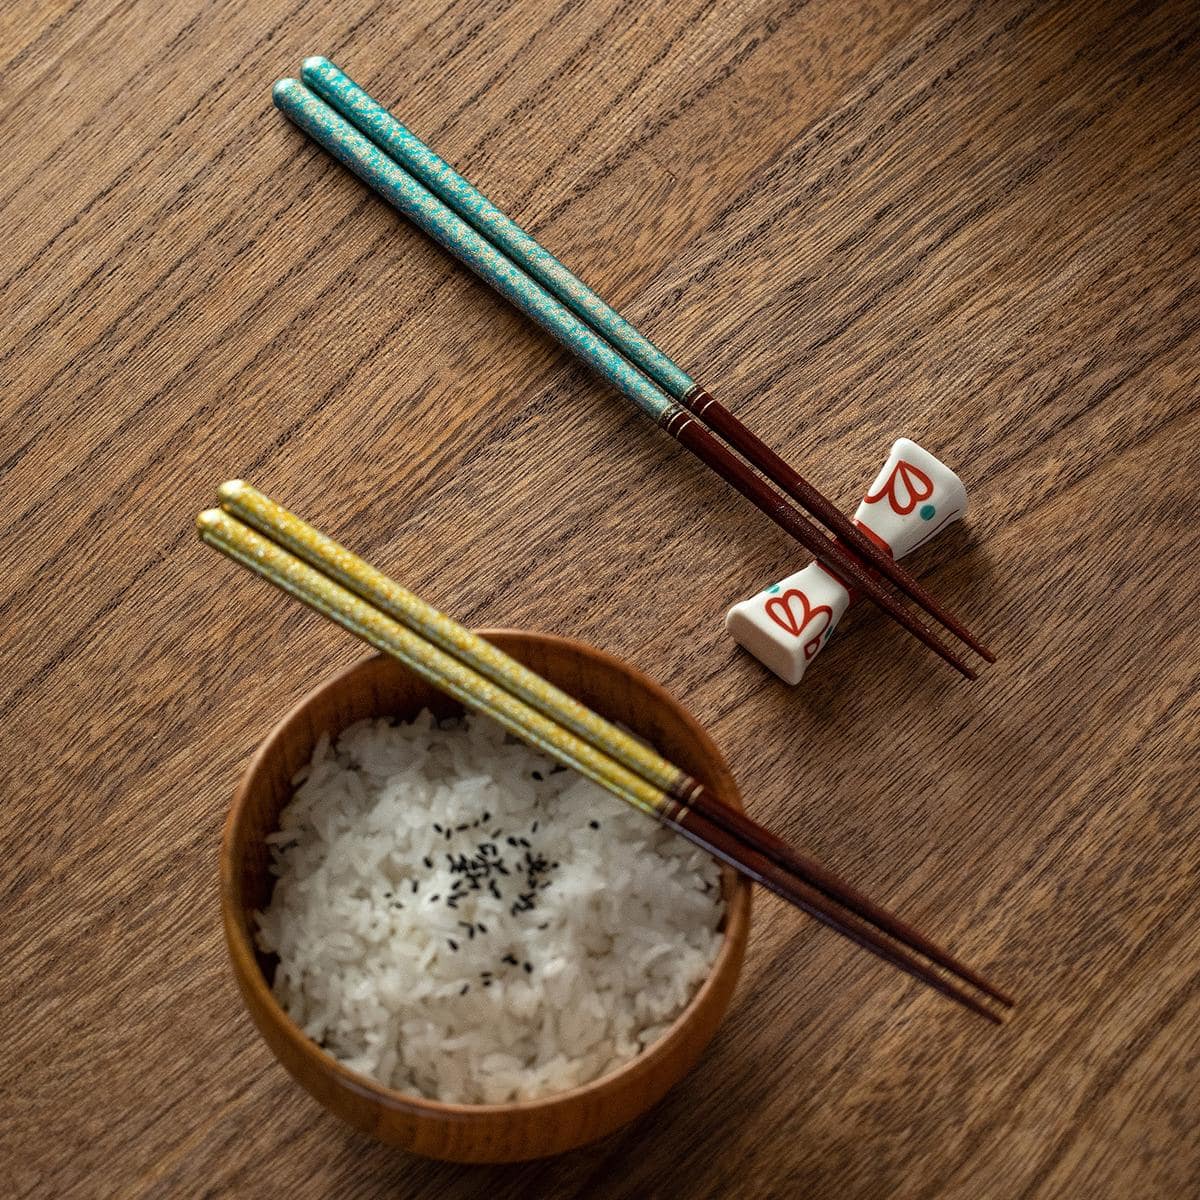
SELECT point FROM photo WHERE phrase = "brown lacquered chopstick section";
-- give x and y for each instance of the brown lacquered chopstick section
(762, 841)
(690, 433)
(752, 448)
(725, 846)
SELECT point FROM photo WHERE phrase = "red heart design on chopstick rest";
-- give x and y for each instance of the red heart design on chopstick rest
(780, 610)
(868, 532)
(905, 488)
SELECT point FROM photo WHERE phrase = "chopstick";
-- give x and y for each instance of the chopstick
(429, 214)
(376, 123)
(319, 587)
(259, 511)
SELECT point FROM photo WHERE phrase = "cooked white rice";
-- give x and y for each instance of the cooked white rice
(460, 918)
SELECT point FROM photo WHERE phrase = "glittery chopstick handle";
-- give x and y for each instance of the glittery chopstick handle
(429, 214)
(334, 560)
(289, 573)
(374, 121)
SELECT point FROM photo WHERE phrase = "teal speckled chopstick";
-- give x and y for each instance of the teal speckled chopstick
(429, 214)
(397, 142)
(377, 169)
(373, 120)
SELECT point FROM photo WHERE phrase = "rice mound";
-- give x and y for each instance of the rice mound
(460, 918)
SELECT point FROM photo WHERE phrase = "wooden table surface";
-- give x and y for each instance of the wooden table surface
(974, 224)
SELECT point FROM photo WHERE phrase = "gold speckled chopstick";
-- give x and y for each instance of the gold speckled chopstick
(285, 570)
(276, 522)
(320, 582)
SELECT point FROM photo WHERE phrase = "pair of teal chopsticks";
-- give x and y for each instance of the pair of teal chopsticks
(372, 119)
(338, 114)
(334, 111)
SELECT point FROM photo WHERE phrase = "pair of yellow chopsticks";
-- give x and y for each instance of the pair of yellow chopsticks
(275, 544)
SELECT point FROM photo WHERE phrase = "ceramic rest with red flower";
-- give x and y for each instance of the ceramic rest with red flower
(913, 498)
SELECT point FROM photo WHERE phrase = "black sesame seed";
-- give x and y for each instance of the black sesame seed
(544, 925)
(533, 827)
(414, 887)
(528, 969)
(508, 958)
(538, 776)
(594, 824)
(453, 943)
(437, 827)
(449, 833)
(523, 841)
(497, 833)
(487, 816)
(460, 828)
(464, 989)
(487, 983)
(428, 862)
(435, 897)
(482, 927)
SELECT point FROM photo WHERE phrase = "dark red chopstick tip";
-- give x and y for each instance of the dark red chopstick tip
(690, 433)
(760, 840)
(731, 849)
(756, 452)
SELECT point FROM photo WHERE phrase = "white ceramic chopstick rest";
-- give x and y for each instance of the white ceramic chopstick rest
(914, 497)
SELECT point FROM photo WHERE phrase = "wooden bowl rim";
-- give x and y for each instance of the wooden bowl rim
(737, 911)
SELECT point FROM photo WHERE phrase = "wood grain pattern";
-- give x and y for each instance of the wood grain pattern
(972, 223)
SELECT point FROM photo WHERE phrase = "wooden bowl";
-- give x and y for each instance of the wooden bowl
(457, 1132)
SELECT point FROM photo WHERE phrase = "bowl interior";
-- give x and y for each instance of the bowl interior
(382, 686)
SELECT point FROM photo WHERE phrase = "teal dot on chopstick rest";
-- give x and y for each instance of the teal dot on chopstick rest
(928, 512)
(773, 590)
